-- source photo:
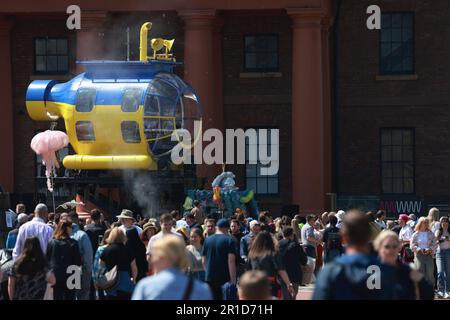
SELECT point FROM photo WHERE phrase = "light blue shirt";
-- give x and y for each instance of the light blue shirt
(34, 228)
(170, 284)
(84, 243)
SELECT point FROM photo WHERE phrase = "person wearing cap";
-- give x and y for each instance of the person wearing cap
(12, 235)
(127, 220)
(150, 229)
(406, 231)
(412, 220)
(37, 227)
(255, 228)
(404, 236)
(219, 259)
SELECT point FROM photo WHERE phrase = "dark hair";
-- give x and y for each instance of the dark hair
(285, 220)
(175, 213)
(199, 232)
(73, 216)
(57, 217)
(333, 220)
(380, 213)
(263, 245)
(356, 227)
(287, 231)
(262, 219)
(441, 229)
(310, 217)
(211, 220)
(234, 221)
(370, 216)
(51, 216)
(95, 214)
(196, 202)
(62, 231)
(240, 217)
(32, 259)
(166, 217)
(190, 216)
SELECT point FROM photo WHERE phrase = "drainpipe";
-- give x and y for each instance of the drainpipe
(335, 112)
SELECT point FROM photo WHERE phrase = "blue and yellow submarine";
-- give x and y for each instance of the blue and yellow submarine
(119, 114)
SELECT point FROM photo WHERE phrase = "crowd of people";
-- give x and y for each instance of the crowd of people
(193, 256)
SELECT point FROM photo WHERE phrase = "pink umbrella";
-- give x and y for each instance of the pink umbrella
(45, 144)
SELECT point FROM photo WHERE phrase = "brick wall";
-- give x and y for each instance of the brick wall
(367, 104)
(259, 102)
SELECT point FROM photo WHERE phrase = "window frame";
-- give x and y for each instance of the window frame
(94, 99)
(123, 95)
(256, 70)
(413, 40)
(267, 195)
(57, 72)
(413, 146)
(138, 131)
(93, 132)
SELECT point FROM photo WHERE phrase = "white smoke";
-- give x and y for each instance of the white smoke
(144, 191)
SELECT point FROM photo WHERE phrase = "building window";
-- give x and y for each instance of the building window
(130, 132)
(397, 43)
(261, 53)
(85, 131)
(131, 99)
(261, 184)
(85, 100)
(51, 55)
(397, 160)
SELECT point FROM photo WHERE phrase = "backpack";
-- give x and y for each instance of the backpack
(334, 241)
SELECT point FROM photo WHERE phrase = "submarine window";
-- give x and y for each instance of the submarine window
(130, 132)
(131, 99)
(85, 131)
(85, 99)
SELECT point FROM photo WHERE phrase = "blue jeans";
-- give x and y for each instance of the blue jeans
(443, 270)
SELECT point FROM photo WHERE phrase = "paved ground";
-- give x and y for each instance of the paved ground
(305, 292)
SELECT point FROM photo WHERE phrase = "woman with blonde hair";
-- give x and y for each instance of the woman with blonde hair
(433, 218)
(423, 244)
(169, 260)
(117, 255)
(408, 284)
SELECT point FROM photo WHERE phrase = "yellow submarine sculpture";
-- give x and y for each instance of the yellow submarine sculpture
(119, 114)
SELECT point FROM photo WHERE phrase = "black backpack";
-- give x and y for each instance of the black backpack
(334, 241)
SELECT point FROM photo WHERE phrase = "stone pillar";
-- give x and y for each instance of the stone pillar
(90, 37)
(200, 71)
(309, 144)
(6, 108)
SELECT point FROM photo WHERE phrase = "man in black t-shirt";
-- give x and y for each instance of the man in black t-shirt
(332, 241)
(293, 258)
(219, 259)
(95, 230)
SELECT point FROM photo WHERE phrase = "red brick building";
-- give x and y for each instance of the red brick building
(362, 113)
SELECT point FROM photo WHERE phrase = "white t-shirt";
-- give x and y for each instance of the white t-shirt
(422, 240)
(124, 229)
(405, 233)
(158, 236)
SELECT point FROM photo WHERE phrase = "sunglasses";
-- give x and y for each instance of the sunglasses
(390, 246)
